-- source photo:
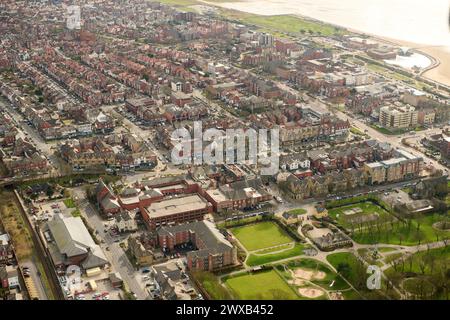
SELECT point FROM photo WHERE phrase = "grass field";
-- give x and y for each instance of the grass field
(181, 4)
(297, 211)
(419, 230)
(314, 265)
(371, 213)
(282, 23)
(264, 285)
(255, 260)
(261, 235)
(276, 24)
(355, 266)
(69, 203)
(355, 272)
(426, 262)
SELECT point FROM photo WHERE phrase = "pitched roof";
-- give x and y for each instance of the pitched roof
(72, 238)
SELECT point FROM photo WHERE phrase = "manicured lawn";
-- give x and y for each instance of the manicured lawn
(255, 260)
(298, 211)
(371, 213)
(69, 203)
(264, 285)
(260, 235)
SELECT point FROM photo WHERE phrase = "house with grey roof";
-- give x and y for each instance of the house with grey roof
(70, 243)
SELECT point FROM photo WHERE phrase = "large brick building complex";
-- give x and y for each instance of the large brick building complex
(175, 210)
(212, 250)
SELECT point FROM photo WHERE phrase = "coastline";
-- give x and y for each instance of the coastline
(439, 71)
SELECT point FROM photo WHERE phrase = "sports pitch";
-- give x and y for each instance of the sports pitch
(266, 285)
(261, 235)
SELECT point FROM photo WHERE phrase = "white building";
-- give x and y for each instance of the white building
(398, 117)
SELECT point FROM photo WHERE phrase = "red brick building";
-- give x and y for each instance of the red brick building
(212, 250)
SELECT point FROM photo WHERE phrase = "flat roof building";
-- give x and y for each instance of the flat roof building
(174, 210)
(398, 117)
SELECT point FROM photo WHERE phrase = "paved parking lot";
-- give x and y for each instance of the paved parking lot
(97, 287)
(48, 209)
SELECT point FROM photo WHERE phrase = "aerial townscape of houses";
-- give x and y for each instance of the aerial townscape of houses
(88, 118)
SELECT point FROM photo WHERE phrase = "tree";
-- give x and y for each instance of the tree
(50, 191)
(344, 269)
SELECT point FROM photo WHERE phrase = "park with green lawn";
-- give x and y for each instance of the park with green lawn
(363, 213)
(266, 242)
(261, 235)
(263, 285)
(355, 272)
(409, 232)
(302, 278)
(423, 274)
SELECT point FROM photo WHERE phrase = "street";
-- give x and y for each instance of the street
(116, 255)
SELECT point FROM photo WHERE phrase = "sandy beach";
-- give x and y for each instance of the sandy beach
(440, 73)
(411, 23)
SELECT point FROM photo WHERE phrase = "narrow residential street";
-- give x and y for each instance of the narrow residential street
(115, 254)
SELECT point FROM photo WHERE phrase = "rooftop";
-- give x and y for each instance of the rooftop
(177, 205)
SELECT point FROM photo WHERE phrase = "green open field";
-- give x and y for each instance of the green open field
(261, 235)
(276, 24)
(181, 4)
(355, 272)
(291, 24)
(352, 269)
(371, 213)
(413, 232)
(314, 266)
(264, 285)
(260, 259)
(297, 211)
(69, 203)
